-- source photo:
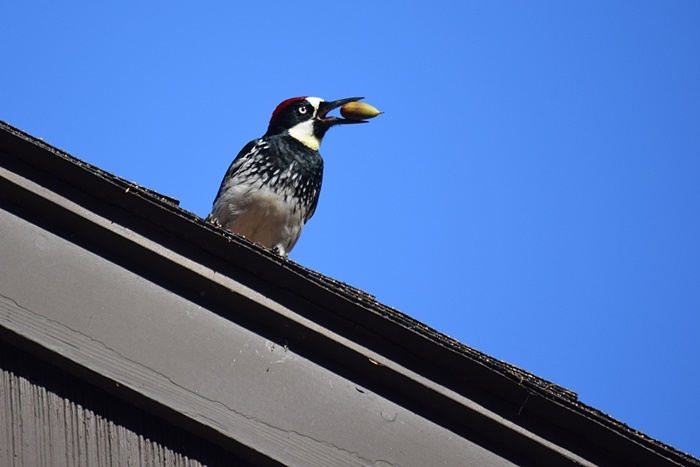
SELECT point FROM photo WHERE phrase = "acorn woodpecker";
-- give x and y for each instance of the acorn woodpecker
(271, 189)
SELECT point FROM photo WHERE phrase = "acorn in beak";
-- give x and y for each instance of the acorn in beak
(325, 107)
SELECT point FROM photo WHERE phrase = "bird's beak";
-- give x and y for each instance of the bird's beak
(325, 107)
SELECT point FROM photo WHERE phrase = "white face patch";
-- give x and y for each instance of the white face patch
(304, 131)
(315, 102)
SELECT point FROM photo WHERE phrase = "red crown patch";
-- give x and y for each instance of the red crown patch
(283, 105)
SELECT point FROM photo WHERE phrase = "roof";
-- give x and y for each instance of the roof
(331, 325)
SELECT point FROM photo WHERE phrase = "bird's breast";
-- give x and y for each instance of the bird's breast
(262, 215)
(270, 193)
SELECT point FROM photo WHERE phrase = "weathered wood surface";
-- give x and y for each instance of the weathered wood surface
(149, 341)
(49, 418)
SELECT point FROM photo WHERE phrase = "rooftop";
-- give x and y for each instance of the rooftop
(332, 324)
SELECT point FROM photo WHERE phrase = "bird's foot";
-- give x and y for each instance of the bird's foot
(278, 250)
(213, 220)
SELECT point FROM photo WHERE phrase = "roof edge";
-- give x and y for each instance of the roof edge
(234, 256)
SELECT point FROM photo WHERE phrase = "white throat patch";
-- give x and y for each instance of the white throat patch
(304, 131)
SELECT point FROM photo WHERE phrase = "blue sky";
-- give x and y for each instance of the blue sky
(532, 190)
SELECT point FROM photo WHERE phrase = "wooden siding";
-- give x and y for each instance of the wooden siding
(49, 418)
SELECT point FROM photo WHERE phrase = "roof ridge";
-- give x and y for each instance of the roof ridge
(368, 301)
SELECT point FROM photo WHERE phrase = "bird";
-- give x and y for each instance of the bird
(271, 188)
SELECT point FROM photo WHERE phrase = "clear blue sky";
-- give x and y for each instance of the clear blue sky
(533, 189)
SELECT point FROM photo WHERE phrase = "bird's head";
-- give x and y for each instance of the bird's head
(306, 119)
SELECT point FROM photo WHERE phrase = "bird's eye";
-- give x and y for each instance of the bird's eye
(302, 110)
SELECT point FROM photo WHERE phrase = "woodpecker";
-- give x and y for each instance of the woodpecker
(272, 187)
